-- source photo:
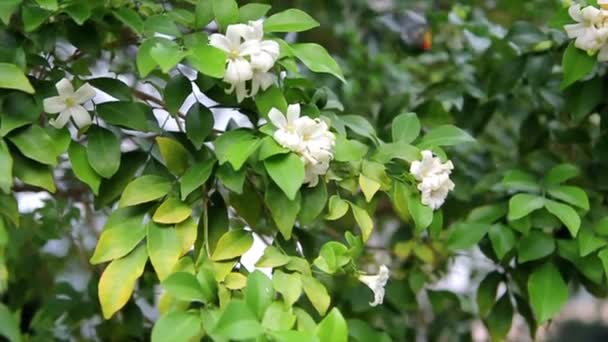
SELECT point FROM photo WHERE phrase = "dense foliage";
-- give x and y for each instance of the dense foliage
(362, 151)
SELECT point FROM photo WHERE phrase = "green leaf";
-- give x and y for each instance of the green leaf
(521, 205)
(405, 127)
(272, 258)
(187, 232)
(283, 210)
(177, 326)
(176, 91)
(118, 280)
(232, 244)
(502, 239)
(349, 150)
(316, 293)
(486, 293)
(115, 88)
(500, 318)
(129, 115)
(570, 194)
(259, 293)
(291, 20)
(226, 12)
(363, 220)
(313, 203)
(253, 11)
(174, 155)
(548, 292)
(7, 8)
(203, 13)
(199, 124)
(166, 54)
(576, 64)
(11, 77)
(237, 322)
(145, 62)
(9, 326)
(184, 286)
(520, 181)
(103, 151)
(332, 257)
(172, 211)
(359, 125)
(446, 135)
(561, 173)
(337, 208)
(196, 176)
(111, 189)
(130, 18)
(289, 285)
(368, 186)
(317, 59)
(18, 109)
(603, 256)
(488, 213)
(566, 214)
(333, 327)
(6, 168)
(208, 59)
(397, 150)
(144, 189)
(233, 180)
(588, 242)
(287, 171)
(164, 248)
(83, 171)
(269, 148)
(235, 147)
(278, 317)
(161, 23)
(422, 214)
(535, 245)
(79, 12)
(35, 144)
(465, 235)
(584, 98)
(33, 17)
(268, 99)
(121, 234)
(33, 173)
(50, 5)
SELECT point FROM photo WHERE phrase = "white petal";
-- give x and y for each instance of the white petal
(80, 116)
(220, 41)
(262, 61)
(271, 47)
(61, 120)
(64, 88)
(84, 93)
(241, 92)
(54, 104)
(575, 30)
(257, 30)
(602, 56)
(238, 70)
(575, 12)
(249, 47)
(293, 112)
(590, 14)
(277, 118)
(234, 33)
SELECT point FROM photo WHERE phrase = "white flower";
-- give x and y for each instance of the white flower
(309, 138)
(434, 179)
(377, 284)
(589, 31)
(286, 134)
(238, 68)
(250, 57)
(435, 189)
(69, 104)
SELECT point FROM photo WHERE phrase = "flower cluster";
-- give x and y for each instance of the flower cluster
(309, 138)
(434, 179)
(591, 29)
(376, 283)
(69, 104)
(250, 58)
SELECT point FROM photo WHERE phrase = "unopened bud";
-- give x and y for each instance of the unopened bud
(595, 119)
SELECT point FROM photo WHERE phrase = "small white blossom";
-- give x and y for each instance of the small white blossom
(590, 33)
(434, 179)
(69, 104)
(309, 138)
(250, 58)
(376, 283)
